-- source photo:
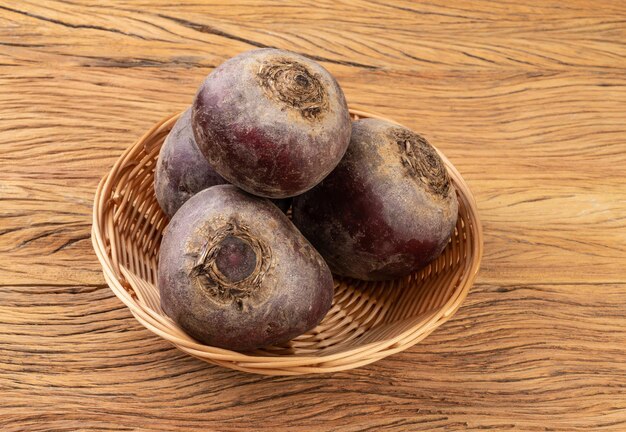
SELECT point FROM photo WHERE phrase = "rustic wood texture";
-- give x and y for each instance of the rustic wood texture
(527, 100)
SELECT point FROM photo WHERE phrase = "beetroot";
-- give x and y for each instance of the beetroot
(387, 210)
(235, 273)
(272, 122)
(181, 169)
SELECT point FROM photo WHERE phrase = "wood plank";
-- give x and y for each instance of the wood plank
(529, 238)
(378, 35)
(545, 121)
(540, 153)
(515, 357)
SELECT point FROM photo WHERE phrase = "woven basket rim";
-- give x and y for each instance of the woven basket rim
(367, 353)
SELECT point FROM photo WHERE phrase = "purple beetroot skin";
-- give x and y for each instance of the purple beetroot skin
(387, 210)
(235, 273)
(181, 170)
(272, 122)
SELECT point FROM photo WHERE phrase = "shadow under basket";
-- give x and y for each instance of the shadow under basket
(367, 322)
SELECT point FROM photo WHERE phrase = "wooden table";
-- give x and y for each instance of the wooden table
(528, 101)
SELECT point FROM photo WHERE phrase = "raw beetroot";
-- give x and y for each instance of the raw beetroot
(272, 122)
(235, 273)
(181, 169)
(387, 210)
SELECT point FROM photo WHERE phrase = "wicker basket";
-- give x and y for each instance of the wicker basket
(367, 322)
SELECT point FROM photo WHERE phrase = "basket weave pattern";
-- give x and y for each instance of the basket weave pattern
(368, 320)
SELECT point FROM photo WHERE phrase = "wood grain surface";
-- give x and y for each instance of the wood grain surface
(527, 99)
